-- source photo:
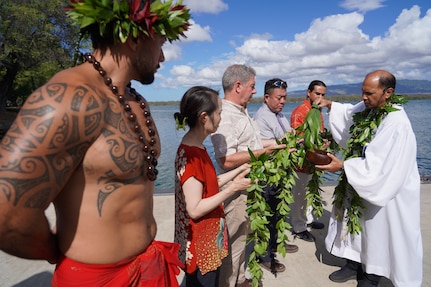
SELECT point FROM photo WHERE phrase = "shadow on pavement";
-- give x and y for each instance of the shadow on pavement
(42, 279)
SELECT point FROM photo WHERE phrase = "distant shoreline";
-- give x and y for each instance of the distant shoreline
(296, 99)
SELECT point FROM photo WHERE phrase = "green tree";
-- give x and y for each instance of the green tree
(36, 40)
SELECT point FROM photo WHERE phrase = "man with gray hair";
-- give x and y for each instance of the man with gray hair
(237, 132)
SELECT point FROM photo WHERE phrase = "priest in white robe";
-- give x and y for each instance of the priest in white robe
(386, 177)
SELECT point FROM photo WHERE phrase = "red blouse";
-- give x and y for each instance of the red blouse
(203, 241)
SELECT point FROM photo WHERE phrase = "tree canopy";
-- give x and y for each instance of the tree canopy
(36, 40)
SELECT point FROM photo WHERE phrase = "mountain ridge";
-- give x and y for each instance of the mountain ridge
(403, 87)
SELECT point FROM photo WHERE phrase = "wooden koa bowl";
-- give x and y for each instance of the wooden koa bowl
(318, 157)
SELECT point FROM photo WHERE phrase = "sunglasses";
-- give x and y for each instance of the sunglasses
(279, 84)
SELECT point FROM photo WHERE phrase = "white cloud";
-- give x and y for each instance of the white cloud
(182, 70)
(331, 33)
(211, 7)
(411, 33)
(334, 49)
(197, 33)
(172, 51)
(362, 5)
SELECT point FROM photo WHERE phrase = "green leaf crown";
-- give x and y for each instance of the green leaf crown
(124, 18)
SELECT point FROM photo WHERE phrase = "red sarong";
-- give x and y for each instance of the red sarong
(157, 266)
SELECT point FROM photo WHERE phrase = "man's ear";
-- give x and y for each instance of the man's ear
(237, 86)
(389, 92)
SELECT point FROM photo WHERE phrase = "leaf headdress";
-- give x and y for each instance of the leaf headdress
(124, 18)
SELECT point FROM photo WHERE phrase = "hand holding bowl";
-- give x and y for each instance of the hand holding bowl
(318, 157)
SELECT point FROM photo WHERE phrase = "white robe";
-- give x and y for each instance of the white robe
(388, 181)
(351, 247)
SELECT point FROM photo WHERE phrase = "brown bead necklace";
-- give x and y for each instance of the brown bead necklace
(148, 146)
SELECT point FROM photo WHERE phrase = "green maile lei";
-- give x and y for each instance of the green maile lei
(278, 169)
(269, 170)
(346, 200)
(124, 18)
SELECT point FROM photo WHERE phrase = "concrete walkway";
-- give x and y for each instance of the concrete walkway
(310, 266)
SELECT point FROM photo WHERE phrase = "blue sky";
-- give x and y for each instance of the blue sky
(299, 41)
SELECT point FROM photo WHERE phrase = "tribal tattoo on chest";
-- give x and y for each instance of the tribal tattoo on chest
(50, 138)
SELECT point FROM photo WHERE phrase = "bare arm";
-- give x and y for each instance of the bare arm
(324, 103)
(268, 142)
(234, 160)
(37, 156)
(228, 176)
(197, 206)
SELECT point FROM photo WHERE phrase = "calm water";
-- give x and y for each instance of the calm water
(418, 112)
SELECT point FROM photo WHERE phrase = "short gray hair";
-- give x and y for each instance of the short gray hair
(237, 72)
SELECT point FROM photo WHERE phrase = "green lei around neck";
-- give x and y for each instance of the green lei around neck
(362, 131)
(124, 18)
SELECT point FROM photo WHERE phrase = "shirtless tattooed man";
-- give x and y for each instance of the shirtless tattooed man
(85, 141)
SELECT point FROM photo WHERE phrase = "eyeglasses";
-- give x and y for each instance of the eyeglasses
(279, 84)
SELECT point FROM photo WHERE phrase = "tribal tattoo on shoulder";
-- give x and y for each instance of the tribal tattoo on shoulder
(52, 134)
(47, 141)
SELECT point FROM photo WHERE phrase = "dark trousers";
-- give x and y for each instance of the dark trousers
(270, 197)
(210, 279)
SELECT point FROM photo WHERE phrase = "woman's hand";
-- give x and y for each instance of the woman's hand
(241, 182)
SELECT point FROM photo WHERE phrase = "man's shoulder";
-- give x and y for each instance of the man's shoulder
(398, 118)
(70, 75)
(75, 84)
(300, 108)
(260, 113)
(231, 121)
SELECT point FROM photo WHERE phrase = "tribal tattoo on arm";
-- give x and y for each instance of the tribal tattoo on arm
(47, 141)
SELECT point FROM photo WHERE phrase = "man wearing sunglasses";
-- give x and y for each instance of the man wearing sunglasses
(273, 125)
